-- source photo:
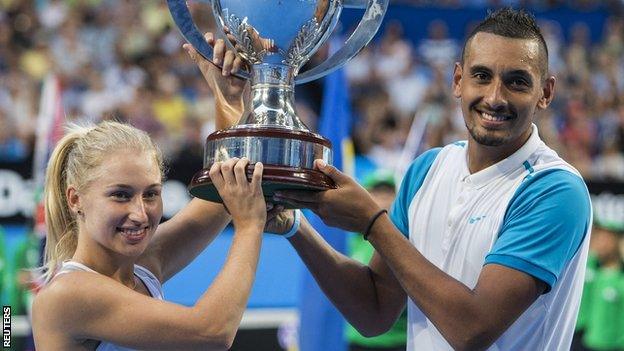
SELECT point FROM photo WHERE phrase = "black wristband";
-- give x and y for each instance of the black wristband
(372, 221)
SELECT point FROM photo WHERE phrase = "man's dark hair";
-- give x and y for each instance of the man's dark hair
(511, 23)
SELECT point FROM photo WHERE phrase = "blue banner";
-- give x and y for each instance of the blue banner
(321, 325)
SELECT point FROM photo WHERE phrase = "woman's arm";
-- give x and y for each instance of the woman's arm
(87, 306)
(178, 241)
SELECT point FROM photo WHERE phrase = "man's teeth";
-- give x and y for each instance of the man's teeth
(489, 117)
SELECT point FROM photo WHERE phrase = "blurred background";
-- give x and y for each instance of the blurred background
(89, 60)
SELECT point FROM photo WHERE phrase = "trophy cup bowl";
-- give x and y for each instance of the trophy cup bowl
(275, 38)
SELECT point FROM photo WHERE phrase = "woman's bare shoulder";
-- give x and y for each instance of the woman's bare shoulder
(60, 308)
(70, 298)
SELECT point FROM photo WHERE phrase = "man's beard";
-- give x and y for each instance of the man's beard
(485, 139)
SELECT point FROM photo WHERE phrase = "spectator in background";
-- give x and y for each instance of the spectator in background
(601, 320)
(408, 89)
(189, 153)
(554, 40)
(577, 58)
(386, 139)
(609, 164)
(12, 148)
(439, 50)
(584, 308)
(169, 106)
(394, 54)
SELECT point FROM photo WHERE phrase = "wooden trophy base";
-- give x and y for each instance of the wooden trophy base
(273, 178)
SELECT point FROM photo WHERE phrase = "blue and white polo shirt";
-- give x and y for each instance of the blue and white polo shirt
(530, 212)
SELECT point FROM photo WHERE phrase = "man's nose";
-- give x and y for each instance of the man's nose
(495, 97)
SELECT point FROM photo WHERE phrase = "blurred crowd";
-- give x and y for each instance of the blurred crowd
(114, 59)
(123, 59)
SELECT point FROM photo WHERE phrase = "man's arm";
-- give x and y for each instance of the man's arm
(369, 297)
(469, 318)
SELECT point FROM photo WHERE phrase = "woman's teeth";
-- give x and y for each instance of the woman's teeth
(132, 232)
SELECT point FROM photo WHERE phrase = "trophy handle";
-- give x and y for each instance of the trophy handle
(361, 36)
(184, 21)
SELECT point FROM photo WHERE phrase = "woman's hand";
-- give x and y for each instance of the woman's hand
(279, 221)
(243, 199)
(228, 90)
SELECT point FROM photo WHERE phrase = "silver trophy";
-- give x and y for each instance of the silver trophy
(276, 38)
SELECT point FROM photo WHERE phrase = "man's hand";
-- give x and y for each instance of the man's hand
(349, 206)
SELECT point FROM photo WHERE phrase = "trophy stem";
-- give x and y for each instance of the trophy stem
(273, 98)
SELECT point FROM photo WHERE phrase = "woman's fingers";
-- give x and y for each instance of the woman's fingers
(240, 172)
(227, 171)
(237, 65)
(218, 51)
(256, 178)
(190, 50)
(232, 39)
(228, 63)
(215, 175)
(209, 36)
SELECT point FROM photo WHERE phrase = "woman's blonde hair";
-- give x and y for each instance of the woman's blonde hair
(73, 162)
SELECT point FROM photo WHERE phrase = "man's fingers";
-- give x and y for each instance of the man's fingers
(301, 196)
(338, 177)
(313, 206)
(299, 199)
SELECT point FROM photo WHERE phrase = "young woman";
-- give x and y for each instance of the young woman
(107, 256)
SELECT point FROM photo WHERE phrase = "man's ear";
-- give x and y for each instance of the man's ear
(73, 199)
(548, 93)
(457, 79)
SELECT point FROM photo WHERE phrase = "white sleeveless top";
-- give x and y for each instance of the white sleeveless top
(152, 284)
